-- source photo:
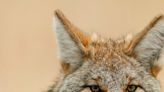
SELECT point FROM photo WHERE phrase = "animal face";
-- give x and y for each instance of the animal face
(91, 63)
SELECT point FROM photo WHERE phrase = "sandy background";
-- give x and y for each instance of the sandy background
(28, 58)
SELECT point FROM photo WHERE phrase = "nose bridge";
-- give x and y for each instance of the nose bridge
(114, 86)
(111, 80)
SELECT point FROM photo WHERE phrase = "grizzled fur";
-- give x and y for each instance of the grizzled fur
(111, 65)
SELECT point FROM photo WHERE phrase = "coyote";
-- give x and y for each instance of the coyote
(92, 63)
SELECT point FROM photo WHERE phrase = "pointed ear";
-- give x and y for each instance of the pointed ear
(71, 41)
(147, 45)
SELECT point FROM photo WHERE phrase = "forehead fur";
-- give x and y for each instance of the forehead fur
(102, 49)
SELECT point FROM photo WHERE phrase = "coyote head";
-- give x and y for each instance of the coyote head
(91, 63)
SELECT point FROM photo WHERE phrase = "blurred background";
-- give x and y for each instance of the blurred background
(28, 58)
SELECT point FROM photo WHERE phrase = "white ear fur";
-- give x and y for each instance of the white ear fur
(94, 37)
(129, 37)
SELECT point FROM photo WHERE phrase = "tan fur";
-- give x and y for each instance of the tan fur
(155, 70)
(65, 68)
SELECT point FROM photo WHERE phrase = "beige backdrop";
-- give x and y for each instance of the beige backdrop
(28, 58)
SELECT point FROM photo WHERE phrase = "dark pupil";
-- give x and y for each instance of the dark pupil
(131, 88)
(94, 88)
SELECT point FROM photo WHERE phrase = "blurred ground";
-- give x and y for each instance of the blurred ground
(28, 58)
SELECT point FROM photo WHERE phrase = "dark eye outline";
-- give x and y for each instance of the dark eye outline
(131, 88)
(93, 88)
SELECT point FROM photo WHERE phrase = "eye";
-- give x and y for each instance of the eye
(94, 88)
(131, 88)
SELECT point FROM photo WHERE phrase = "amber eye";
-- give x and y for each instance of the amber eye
(131, 88)
(94, 88)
